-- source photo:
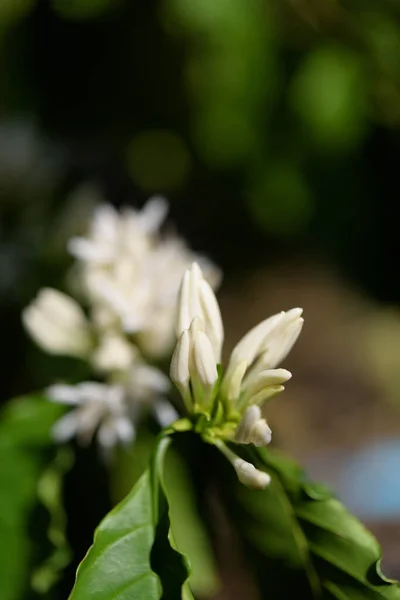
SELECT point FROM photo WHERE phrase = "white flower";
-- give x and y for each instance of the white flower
(112, 410)
(251, 376)
(250, 379)
(128, 276)
(99, 407)
(131, 275)
(58, 324)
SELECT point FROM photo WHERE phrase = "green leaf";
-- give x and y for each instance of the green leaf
(188, 529)
(133, 555)
(49, 491)
(24, 451)
(301, 540)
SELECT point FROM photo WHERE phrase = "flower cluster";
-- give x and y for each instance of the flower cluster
(127, 276)
(230, 403)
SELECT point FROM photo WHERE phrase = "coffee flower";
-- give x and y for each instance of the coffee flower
(111, 410)
(231, 402)
(131, 274)
(127, 276)
(99, 407)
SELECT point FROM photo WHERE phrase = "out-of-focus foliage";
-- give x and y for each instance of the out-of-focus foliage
(25, 450)
(314, 546)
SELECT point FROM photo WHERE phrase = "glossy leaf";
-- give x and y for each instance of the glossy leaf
(301, 540)
(132, 554)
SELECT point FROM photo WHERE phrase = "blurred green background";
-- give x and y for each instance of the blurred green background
(272, 126)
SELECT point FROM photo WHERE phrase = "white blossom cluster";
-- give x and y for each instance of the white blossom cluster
(127, 275)
(251, 377)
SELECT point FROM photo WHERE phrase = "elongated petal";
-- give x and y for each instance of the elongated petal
(258, 381)
(165, 413)
(272, 338)
(125, 429)
(249, 346)
(64, 394)
(153, 214)
(89, 251)
(92, 391)
(212, 317)
(232, 382)
(66, 427)
(179, 370)
(204, 360)
(282, 339)
(266, 394)
(183, 318)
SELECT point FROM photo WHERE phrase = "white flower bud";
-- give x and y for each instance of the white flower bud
(58, 324)
(250, 476)
(253, 429)
(202, 364)
(196, 299)
(189, 302)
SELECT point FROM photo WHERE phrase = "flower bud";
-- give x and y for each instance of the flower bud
(202, 364)
(196, 299)
(250, 476)
(253, 429)
(58, 324)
